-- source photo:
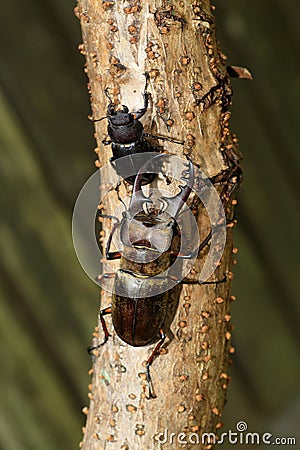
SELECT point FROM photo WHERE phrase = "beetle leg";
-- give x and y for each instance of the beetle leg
(103, 312)
(183, 255)
(140, 112)
(107, 216)
(117, 189)
(111, 255)
(150, 361)
(191, 255)
(105, 275)
(203, 244)
(163, 138)
(190, 281)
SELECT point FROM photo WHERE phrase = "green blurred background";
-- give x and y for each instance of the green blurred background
(49, 306)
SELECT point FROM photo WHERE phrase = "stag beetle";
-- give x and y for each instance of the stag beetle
(127, 137)
(141, 285)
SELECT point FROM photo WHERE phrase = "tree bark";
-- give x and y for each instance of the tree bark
(175, 43)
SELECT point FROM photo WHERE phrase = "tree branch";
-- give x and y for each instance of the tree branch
(175, 43)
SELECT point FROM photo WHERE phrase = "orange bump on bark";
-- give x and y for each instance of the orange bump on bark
(85, 410)
(227, 335)
(131, 408)
(184, 60)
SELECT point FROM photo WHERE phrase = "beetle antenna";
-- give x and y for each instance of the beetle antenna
(106, 93)
(98, 120)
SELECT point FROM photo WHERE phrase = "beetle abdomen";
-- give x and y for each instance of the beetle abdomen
(137, 318)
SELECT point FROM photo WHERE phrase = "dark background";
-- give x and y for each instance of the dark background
(49, 306)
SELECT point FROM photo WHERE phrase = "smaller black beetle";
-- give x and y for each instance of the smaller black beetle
(127, 137)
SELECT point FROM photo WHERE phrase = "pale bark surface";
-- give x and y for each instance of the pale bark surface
(189, 97)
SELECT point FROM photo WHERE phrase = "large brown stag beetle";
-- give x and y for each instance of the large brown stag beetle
(127, 137)
(142, 284)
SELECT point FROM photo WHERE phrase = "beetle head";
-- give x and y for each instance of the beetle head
(119, 117)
